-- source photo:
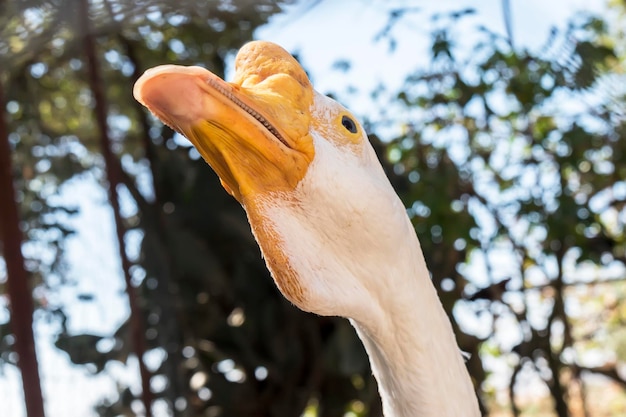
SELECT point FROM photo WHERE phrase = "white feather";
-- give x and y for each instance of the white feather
(346, 233)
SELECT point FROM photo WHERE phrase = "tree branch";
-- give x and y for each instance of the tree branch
(113, 178)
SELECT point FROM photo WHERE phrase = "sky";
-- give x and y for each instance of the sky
(334, 30)
(321, 35)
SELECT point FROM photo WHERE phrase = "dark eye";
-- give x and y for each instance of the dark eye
(349, 124)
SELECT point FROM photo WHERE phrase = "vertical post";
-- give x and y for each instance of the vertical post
(114, 179)
(508, 20)
(18, 287)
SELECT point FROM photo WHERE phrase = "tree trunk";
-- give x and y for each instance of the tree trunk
(114, 179)
(18, 288)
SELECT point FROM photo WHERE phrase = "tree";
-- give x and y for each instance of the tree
(535, 189)
(18, 288)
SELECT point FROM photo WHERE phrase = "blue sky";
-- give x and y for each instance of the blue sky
(335, 30)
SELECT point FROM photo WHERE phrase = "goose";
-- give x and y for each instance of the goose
(333, 232)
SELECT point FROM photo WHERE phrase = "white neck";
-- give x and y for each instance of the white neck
(414, 356)
(346, 236)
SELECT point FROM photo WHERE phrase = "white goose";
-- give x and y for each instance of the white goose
(333, 232)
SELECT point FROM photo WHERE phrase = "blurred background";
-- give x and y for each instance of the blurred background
(502, 125)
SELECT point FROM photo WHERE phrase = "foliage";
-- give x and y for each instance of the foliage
(509, 162)
(529, 148)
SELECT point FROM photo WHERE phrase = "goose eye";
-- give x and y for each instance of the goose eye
(349, 124)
